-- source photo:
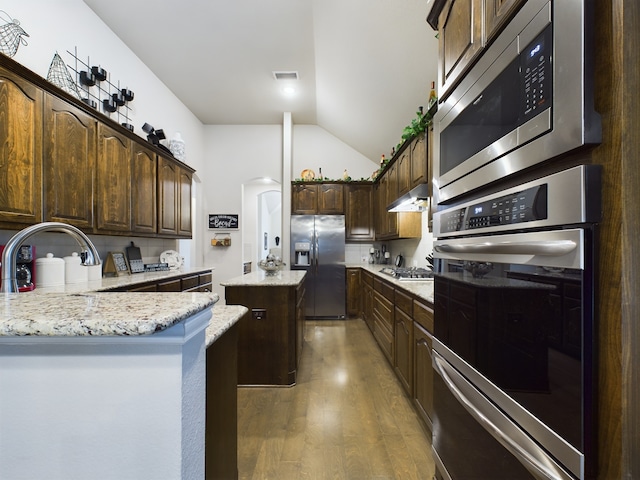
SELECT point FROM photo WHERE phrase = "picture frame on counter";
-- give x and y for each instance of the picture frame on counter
(223, 221)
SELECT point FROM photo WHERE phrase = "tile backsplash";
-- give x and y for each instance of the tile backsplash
(62, 245)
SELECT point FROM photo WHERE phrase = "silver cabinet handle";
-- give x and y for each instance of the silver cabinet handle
(551, 247)
(532, 457)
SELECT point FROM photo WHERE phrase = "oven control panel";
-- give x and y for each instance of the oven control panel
(519, 207)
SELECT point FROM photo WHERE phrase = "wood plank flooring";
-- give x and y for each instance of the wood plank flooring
(347, 417)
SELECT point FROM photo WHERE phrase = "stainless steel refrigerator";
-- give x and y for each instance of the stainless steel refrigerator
(317, 246)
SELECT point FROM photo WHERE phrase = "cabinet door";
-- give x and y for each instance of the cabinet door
(497, 13)
(423, 374)
(353, 292)
(359, 213)
(403, 349)
(184, 202)
(304, 199)
(392, 194)
(20, 150)
(404, 172)
(113, 181)
(381, 223)
(167, 196)
(331, 199)
(459, 41)
(419, 165)
(69, 163)
(144, 206)
(388, 193)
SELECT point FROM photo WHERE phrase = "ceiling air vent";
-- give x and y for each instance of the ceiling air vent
(285, 75)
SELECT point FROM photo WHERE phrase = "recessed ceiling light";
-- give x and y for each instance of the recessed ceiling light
(289, 90)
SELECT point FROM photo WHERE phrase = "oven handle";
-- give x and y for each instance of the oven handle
(533, 458)
(554, 248)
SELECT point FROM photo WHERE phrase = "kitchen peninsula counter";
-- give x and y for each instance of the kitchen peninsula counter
(38, 313)
(99, 374)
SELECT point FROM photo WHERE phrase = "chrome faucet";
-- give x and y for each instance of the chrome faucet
(89, 254)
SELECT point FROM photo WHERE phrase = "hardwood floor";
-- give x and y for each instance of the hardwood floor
(347, 417)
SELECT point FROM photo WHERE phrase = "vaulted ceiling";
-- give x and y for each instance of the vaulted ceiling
(364, 66)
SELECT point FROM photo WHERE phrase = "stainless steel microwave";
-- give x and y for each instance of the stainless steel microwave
(527, 100)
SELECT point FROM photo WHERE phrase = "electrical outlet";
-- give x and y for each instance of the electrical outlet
(259, 313)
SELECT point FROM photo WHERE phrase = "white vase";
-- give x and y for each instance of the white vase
(176, 146)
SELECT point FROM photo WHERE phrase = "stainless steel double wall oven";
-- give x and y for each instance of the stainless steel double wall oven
(515, 247)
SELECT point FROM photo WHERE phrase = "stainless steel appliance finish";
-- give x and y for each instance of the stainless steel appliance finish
(514, 345)
(528, 99)
(318, 247)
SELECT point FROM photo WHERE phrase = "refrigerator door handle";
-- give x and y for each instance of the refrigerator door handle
(317, 249)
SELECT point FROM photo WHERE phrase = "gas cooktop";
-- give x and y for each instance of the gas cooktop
(408, 274)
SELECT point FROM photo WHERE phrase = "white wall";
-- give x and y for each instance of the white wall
(62, 26)
(315, 148)
(237, 155)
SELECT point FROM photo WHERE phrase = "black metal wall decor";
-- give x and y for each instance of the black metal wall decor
(97, 90)
(154, 136)
(11, 35)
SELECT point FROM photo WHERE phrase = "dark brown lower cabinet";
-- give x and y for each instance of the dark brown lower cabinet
(193, 282)
(383, 323)
(403, 351)
(353, 292)
(270, 337)
(422, 365)
(221, 426)
(423, 374)
(367, 298)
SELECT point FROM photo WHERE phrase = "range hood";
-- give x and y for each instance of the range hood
(416, 200)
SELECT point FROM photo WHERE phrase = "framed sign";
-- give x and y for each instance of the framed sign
(219, 221)
(115, 265)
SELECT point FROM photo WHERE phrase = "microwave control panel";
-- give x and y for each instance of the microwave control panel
(525, 206)
(535, 75)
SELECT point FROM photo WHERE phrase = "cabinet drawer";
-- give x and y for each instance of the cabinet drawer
(384, 288)
(384, 338)
(383, 309)
(404, 302)
(423, 315)
(367, 278)
(205, 278)
(144, 288)
(190, 282)
(170, 286)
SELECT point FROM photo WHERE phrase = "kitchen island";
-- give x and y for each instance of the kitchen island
(270, 339)
(106, 385)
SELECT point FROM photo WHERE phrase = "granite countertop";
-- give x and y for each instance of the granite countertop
(97, 313)
(224, 317)
(422, 289)
(284, 278)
